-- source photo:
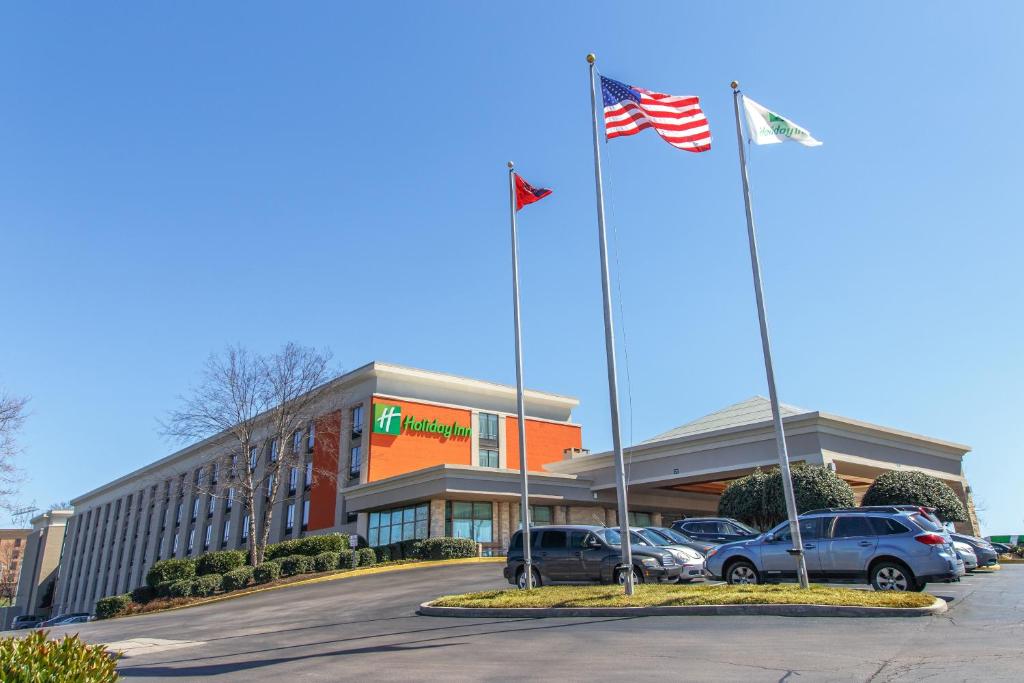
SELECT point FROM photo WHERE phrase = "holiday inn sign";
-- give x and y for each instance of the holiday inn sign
(388, 419)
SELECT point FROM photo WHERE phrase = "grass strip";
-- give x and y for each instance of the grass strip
(662, 595)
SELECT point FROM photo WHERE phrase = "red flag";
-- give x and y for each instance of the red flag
(527, 193)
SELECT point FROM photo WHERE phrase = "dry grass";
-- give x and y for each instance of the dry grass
(655, 595)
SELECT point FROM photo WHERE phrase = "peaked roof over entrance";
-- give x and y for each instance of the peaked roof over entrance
(753, 410)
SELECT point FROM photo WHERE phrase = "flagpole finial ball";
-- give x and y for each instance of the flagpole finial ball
(510, 164)
(591, 58)
(734, 85)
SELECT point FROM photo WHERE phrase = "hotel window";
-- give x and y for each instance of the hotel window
(273, 450)
(230, 500)
(177, 515)
(639, 518)
(234, 466)
(245, 527)
(289, 520)
(254, 454)
(296, 441)
(293, 479)
(488, 457)
(355, 462)
(214, 473)
(311, 435)
(357, 421)
(488, 427)
(305, 515)
(206, 538)
(191, 539)
(399, 524)
(211, 506)
(469, 520)
(197, 476)
(174, 546)
(270, 485)
(195, 508)
(309, 474)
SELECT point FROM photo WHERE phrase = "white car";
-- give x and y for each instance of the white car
(691, 560)
(966, 553)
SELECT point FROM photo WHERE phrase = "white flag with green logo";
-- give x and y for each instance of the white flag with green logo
(766, 127)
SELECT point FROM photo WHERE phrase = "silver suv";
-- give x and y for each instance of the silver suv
(888, 547)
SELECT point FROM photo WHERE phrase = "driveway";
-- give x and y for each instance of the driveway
(365, 628)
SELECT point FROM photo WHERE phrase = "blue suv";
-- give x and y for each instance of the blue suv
(892, 548)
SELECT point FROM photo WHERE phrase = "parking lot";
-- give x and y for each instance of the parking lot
(366, 628)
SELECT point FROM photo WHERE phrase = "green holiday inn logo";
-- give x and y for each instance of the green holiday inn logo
(387, 419)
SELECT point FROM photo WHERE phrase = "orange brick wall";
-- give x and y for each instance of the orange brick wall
(545, 442)
(323, 494)
(389, 456)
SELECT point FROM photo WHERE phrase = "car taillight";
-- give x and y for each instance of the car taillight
(930, 539)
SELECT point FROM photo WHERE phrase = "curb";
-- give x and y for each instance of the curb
(937, 607)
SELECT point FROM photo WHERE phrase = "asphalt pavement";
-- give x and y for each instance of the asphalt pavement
(366, 628)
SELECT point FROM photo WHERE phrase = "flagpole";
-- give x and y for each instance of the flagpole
(609, 343)
(520, 402)
(780, 438)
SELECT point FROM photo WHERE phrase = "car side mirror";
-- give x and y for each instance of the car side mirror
(593, 543)
(769, 538)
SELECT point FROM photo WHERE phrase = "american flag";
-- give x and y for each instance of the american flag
(678, 120)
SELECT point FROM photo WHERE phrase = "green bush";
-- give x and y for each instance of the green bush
(310, 546)
(758, 498)
(143, 594)
(445, 548)
(346, 559)
(112, 606)
(219, 562)
(35, 659)
(902, 487)
(266, 572)
(163, 589)
(296, 564)
(367, 558)
(170, 570)
(236, 578)
(325, 562)
(182, 588)
(383, 553)
(206, 585)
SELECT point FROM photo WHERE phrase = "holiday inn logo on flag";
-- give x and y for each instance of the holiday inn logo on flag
(767, 128)
(387, 419)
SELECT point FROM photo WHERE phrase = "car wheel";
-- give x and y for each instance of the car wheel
(741, 573)
(890, 576)
(620, 577)
(521, 579)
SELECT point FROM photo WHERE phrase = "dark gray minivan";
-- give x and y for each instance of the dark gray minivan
(584, 554)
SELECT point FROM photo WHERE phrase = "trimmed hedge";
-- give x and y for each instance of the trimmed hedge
(143, 594)
(347, 559)
(266, 572)
(444, 548)
(112, 606)
(219, 562)
(236, 578)
(163, 589)
(310, 546)
(173, 569)
(757, 499)
(901, 487)
(383, 553)
(36, 658)
(206, 585)
(296, 564)
(181, 588)
(325, 562)
(367, 558)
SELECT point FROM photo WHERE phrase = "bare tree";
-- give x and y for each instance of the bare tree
(12, 417)
(244, 398)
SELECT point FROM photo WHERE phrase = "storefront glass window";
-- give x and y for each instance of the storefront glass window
(640, 519)
(399, 524)
(469, 520)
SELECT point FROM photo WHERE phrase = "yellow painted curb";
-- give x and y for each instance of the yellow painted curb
(330, 577)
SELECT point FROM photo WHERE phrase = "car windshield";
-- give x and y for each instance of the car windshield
(672, 535)
(650, 538)
(745, 528)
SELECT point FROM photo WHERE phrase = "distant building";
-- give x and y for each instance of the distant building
(12, 556)
(41, 564)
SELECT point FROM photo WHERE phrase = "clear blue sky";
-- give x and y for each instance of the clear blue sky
(177, 177)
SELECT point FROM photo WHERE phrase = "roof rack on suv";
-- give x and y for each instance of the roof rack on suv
(874, 508)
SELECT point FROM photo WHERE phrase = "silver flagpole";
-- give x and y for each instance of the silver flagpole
(520, 403)
(609, 343)
(780, 438)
